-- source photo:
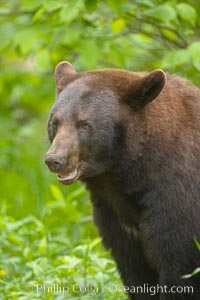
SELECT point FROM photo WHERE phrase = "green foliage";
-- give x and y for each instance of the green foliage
(47, 234)
(38, 253)
(197, 270)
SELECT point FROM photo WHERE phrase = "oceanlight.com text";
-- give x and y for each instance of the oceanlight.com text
(112, 288)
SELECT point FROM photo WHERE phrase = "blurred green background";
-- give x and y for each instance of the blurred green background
(47, 235)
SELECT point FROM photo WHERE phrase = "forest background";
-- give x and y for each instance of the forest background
(47, 235)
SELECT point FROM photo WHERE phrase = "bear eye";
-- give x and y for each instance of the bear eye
(52, 129)
(84, 126)
(54, 125)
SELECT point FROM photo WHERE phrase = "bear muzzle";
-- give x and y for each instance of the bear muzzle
(57, 164)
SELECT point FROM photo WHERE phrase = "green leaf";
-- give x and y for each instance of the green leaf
(163, 13)
(69, 37)
(52, 5)
(56, 192)
(187, 12)
(197, 243)
(148, 3)
(69, 262)
(169, 34)
(118, 25)
(43, 60)
(176, 58)
(94, 243)
(30, 5)
(42, 246)
(91, 5)
(26, 39)
(90, 53)
(71, 11)
(194, 51)
(7, 33)
(40, 12)
(195, 272)
(116, 5)
(76, 194)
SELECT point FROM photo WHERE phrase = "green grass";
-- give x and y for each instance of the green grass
(47, 236)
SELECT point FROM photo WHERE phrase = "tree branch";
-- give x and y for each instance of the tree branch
(184, 43)
(16, 13)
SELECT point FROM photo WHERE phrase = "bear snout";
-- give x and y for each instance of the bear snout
(55, 162)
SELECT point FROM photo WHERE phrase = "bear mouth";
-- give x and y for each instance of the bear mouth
(68, 178)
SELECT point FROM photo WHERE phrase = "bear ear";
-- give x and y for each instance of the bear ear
(63, 73)
(147, 89)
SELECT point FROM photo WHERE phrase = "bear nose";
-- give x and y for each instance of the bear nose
(54, 162)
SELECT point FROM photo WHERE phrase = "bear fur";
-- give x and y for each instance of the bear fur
(134, 140)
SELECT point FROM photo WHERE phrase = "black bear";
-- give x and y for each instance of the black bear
(134, 139)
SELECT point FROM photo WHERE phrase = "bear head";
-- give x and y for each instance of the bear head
(90, 120)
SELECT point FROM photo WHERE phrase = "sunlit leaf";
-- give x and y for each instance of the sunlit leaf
(176, 58)
(40, 12)
(197, 243)
(187, 12)
(56, 192)
(71, 11)
(94, 243)
(76, 194)
(162, 12)
(27, 39)
(118, 25)
(43, 59)
(29, 5)
(52, 5)
(116, 5)
(42, 246)
(90, 53)
(195, 272)
(194, 51)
